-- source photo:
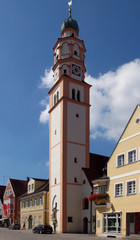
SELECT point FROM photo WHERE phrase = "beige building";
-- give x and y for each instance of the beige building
(34, 205)
(119, 213)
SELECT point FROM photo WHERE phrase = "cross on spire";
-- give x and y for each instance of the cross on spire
(70, 10)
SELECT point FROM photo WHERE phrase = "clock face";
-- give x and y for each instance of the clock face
(76, 70)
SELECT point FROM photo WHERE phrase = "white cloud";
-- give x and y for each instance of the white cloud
(47, 80)
(113, 97)
(44, 115)
(47, 164)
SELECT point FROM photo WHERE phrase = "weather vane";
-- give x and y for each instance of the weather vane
(70, 10)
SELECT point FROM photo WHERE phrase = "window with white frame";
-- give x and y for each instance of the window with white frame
(100, 189)
(132, 156)
(32, 186)
(35, 201)
(26, 203)
(131, 187)
(112, 222)
(23, 205)
(96, 190)
(120, 160)
(30, 202)
(40, 200)
(103, 189)
(118, 189)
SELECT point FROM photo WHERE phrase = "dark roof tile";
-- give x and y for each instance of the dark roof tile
(97, 164)
(2, 190)
(19, 186)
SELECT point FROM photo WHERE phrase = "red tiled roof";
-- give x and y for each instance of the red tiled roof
(2, 190)
(97, 163)
(19, 186)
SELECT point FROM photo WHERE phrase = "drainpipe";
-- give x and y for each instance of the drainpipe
(91, 215)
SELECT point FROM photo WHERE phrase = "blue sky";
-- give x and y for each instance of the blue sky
(29, 29)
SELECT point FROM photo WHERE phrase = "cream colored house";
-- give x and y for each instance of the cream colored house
(120, 213)
(34, 205)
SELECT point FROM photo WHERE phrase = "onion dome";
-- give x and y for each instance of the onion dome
(70, 23)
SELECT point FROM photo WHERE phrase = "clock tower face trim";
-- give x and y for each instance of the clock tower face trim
(76, 70)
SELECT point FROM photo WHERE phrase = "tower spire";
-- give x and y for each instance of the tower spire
(70, 10)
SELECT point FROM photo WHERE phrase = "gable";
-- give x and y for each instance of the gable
(8, 190)
(128, 142)
(133, 126)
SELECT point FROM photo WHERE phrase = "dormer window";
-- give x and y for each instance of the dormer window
(32, 186)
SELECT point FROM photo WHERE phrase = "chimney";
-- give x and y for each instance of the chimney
(28, 179)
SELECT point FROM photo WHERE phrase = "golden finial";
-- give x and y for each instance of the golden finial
(70, 10)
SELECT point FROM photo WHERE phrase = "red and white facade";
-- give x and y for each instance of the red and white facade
(69, 131)
(11, 201)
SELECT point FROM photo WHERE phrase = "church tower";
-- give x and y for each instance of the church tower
(68, 130)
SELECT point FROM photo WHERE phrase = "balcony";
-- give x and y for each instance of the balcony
(99, 199)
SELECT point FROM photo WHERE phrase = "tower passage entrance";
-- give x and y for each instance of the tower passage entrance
(85, 225)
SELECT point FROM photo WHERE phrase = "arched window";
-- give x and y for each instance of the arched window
(76, 50)
(65, 49)
(57, 96)
(73, 94)
(78, 95)
(85, 203)
(54, 99)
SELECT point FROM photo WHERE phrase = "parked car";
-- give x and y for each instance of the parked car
(42, 229)
(14, 226)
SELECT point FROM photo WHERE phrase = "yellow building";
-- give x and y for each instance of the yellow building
(119, 213)
(34, 205)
